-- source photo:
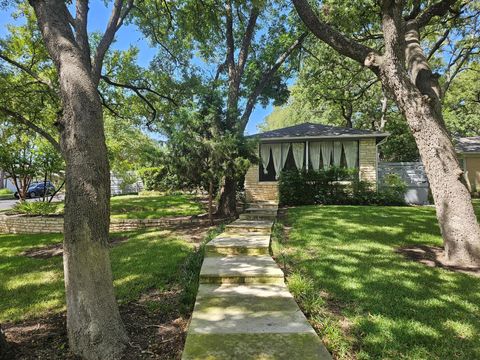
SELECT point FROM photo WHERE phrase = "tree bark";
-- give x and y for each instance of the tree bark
(227, 205)
(210, 201)
(95, 329)
(4, 347)
(417, 94)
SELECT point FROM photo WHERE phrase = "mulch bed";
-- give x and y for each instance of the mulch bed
(434, 256)
(153, 334)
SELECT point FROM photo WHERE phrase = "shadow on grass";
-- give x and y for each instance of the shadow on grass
(398, 308)
(30, 287)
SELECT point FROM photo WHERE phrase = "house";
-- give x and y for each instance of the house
(468, 150)
(310, 146)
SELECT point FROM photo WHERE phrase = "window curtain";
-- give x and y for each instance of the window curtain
(351, 153)
(298, 150)
(277, 158)
(314, 154)
(337, 153)
(265, 154)
(285, 148)
(327, 148)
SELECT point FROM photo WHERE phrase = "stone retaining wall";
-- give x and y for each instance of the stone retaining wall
(22, 224)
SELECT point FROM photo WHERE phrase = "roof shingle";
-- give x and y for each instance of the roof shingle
(318, 130)
(468, 145)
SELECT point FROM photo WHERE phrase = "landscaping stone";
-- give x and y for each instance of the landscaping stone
(241, 269)
(238, 243)
(243, 309)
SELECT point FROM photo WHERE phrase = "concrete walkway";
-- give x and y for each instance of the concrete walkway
(243, 308)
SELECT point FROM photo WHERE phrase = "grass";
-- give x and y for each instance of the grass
(365, 300)
(144, 206)
(6, 194)
(32, 287)
(154, 206)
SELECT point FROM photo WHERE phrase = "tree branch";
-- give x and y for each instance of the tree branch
(331, 36)
(119, 12)
(19, 119)
(28, 71)
(439, 43)
(247, 40)
(80, 25)
(266, 77)
(438, 9)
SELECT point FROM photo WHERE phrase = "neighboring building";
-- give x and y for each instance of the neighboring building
(310, 146)
(468, 150)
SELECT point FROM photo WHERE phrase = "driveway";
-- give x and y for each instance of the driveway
(8, 204)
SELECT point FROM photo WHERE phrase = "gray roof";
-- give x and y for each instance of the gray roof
(310, 130)
(468, 145)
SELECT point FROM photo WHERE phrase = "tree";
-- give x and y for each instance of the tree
(18, 157)
(94, 325)
(405, 74)
(199, 157)
(247, 47)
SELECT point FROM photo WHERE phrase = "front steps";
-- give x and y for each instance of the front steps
(243, 308)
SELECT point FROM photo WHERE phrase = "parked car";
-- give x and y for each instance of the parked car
(38, 189)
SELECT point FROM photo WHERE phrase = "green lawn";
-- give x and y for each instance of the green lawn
(6, 194)
(368, 302)
(31, 287)
(145, 206)
(154, 206)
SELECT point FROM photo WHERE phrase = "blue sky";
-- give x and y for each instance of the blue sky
(129, 35)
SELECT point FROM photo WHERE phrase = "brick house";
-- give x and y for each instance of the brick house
(310, 146)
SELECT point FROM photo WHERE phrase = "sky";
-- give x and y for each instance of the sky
(128, 35)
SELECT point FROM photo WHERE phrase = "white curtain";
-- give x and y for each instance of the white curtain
(277, 158)
(285, 148)
(327, 148)
(314, 154)
(298, 150)
(351, 153)
(337, 153)
(265, 155)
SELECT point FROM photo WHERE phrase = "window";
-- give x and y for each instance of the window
(321, 154)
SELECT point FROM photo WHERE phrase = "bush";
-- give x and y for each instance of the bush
(37, 208)
(337, 186)
(6, 192)
(154, 178)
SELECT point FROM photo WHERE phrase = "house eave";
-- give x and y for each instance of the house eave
(325, 137)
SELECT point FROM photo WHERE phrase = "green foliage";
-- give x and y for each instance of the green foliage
(37, 208)
(6, 191)
(366, 300)
(339, 186)
(154, 178)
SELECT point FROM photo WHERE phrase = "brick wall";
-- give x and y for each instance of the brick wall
(259, 191)
(368, 160)
(21, 224)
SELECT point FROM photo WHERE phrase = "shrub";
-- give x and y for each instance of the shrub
(6, 192)
(337, 186)
(154, 178)
(37, 208)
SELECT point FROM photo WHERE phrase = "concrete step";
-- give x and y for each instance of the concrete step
(239, 243)
(250, 225)
(263, 205)
(240, 269)
(250, 322)
(253, 210)
(257, 216)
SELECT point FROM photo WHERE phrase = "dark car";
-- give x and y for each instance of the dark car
(39, 189)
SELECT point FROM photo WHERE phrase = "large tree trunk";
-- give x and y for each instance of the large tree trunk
(4, 348)
(95, 329)
(227, 205)
(418, 98)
